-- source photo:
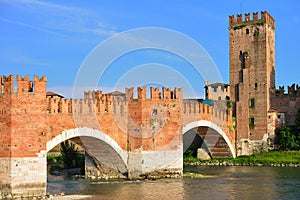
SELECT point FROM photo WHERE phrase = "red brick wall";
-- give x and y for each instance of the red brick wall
(25, 117)
(29, 119)
(288, 105)
(252, 71)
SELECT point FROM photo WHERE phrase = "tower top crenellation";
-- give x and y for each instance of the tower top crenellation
(265, 17)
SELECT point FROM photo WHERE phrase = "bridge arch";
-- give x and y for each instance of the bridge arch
(87, 132)
(209, 124)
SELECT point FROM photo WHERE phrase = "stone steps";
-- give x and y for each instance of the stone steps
(103, 153)
(215, 143)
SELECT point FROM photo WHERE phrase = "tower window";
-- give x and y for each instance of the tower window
(154, 112)
(255, 86)
(251, 123)
(214, 89)
(247, 31)
(251, 103)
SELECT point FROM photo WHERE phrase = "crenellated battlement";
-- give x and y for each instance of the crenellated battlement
(194, 107)
(98, 102)
(265, 17)
(155, 93)
(7, 84)
(292, 91)
(24, 85)
(83, 106)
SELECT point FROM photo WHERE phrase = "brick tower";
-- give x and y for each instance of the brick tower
(252, 76)
(22, 137)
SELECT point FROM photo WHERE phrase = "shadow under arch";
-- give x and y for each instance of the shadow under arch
(211, 125)
(97, 143)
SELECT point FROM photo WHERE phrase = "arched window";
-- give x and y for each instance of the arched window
(247, 31)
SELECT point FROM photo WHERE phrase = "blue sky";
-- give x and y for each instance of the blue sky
(53, 38)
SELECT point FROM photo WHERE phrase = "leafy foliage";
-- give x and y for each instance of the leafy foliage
(265, 158)
(228, 104)
(189, 153)
(54, 159)
(297, 121)
(288, 136)
(239, 26)
(190, 156)
(256, 33)
(70, 155)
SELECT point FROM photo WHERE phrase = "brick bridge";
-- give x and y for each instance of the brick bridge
(131, 136)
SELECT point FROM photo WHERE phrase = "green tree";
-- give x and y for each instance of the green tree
(287, 137)
(297, 121)
(228, 103)
(69, 154)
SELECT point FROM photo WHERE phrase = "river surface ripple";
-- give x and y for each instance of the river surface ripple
(218, 182)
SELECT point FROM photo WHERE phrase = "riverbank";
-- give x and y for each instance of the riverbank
(206, 182)
(271, 158)
(68, 197)
(57, 167)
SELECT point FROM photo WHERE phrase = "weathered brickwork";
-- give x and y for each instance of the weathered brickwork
(252, 74)
(23, 135)
(258, 106)
(25, 116)
(146, 132)
(287, 103)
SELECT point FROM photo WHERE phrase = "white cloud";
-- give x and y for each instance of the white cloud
(45, 4)
(102, 31)
(57, 19)
(32, 27)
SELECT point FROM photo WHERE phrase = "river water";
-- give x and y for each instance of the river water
(218, 182)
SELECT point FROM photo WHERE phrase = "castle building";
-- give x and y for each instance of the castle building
(252, 76)
(258, 106)
(286, 104)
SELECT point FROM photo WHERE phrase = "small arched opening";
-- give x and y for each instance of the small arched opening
(205, 140)
(103, 157)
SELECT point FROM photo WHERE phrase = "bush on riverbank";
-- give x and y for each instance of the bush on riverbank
(69, 160)
(288, 136)
(54, 159)
(266, 158)
(56, 164)
(70, 155)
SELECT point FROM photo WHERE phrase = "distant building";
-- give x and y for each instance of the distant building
(217, 94)
(217, 91)
(52, 94)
